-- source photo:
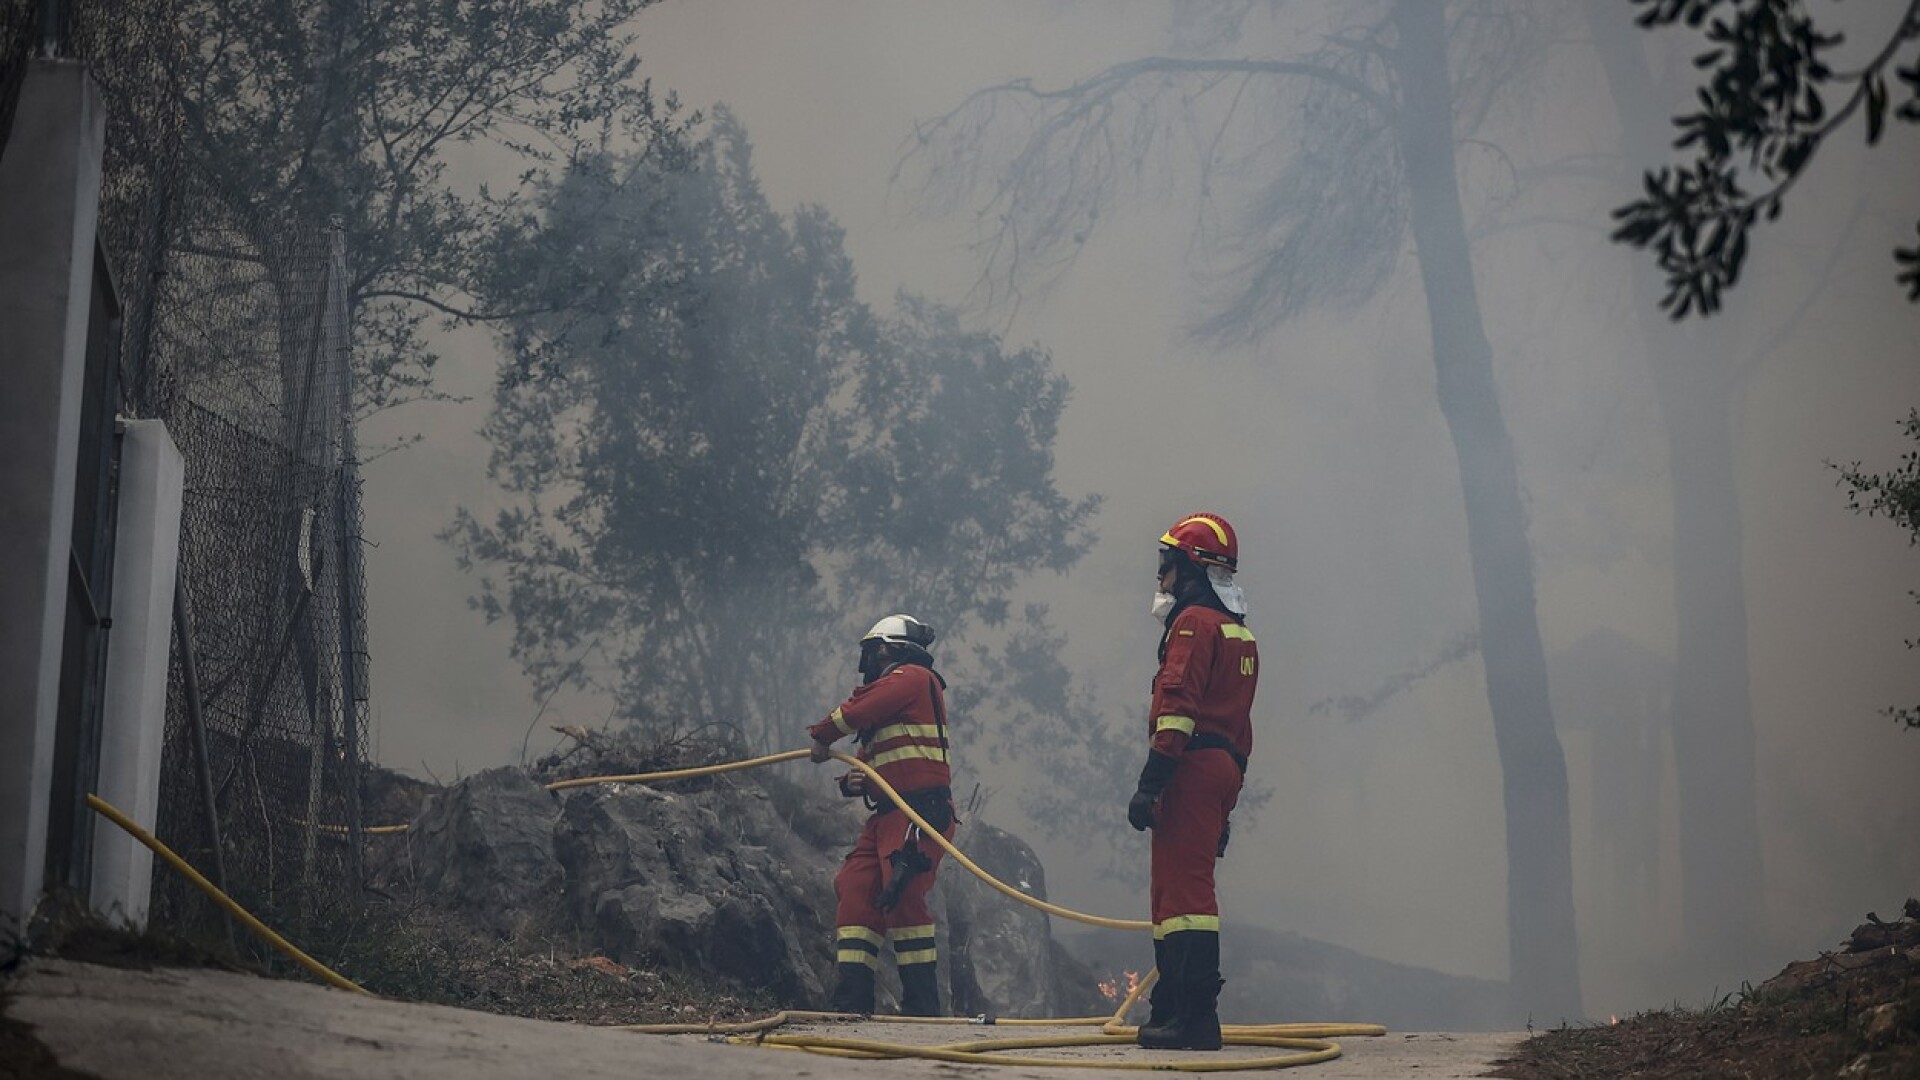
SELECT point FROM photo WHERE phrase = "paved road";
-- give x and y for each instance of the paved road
(161, 1025)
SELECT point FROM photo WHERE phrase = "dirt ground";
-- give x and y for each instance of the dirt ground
(119, 1024)
(1853, 1012)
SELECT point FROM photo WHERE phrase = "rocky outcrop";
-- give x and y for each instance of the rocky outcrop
(709, 880)
(1002, 958)
(484, 848)
(719, 877)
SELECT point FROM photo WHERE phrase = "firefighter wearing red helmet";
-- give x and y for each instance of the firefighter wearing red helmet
(898, 715)
(1200, 735)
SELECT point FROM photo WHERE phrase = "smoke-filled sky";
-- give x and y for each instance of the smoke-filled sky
(1325, 447)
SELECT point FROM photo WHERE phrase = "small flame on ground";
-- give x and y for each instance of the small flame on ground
(1613, 1018)
(1120, 985)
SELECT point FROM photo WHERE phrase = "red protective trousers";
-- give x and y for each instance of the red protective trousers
(866, 873)
(1186, 834)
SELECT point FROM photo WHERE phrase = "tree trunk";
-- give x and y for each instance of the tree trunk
(1713, 739)
(1544, 960)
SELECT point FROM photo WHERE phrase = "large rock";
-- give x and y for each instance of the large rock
(711, 881)
(713, 878)
(1000, 956)
(485, 848)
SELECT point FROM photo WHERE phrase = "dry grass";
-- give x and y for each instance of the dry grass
(419, 953)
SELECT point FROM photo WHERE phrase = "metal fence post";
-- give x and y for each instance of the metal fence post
(351, 567)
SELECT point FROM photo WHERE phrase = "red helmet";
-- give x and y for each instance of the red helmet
(1206, 539)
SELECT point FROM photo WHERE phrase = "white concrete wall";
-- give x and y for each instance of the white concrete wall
(134, 719)
(49, 204)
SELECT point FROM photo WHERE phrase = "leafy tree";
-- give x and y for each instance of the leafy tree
(1763, 115)
(236, 124)
(722, 464)
(1368, 160)
(1894, 494)
(245, 117)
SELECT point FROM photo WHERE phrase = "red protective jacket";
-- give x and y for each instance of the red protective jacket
(902, 716)
(1206, 682)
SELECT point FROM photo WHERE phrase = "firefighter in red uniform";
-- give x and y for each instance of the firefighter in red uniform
(1201, 735)
(899, 716)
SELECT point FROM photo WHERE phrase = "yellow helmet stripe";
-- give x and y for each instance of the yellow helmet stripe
(1208, 522)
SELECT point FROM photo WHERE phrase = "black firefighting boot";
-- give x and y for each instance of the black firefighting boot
(1194, 959)
(853, 992)
(1162, 996)
(919, 990)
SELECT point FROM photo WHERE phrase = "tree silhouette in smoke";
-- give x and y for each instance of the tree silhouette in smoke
(721, 465)
(1763, 116)
(1365, 157)
(261, 114)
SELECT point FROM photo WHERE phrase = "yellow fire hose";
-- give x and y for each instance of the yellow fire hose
(1308, 1040)
(873, 776)
(321, 971)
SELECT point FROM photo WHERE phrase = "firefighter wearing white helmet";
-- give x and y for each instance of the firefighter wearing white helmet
(898, 715)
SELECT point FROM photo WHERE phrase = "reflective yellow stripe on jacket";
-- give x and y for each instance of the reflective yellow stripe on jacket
(1210, 923)
(1173, 723)
(903, 742)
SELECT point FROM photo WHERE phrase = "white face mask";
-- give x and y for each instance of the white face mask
(1162, 606)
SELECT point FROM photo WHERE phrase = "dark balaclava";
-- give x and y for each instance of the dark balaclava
(877, 657)
(1190, 584)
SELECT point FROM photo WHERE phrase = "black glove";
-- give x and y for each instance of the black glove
(853, 785)
(1154, 777)
(1226, 830)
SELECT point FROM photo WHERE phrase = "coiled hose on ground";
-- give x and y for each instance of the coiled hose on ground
(1308, 1041)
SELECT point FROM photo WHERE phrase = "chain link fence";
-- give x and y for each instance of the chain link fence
(250, 333)
(236, 334)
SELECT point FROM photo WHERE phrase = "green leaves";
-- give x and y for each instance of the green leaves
(336, 109)
(1696, 222)
(1762, 112)
(1895, 495)
(723, 465)
(1909, 261)
(1876, 88)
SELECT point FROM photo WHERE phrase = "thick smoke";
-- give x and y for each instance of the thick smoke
(1324, 446)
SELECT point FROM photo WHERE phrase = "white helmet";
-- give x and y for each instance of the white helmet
(895, 639)
(901, 630)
